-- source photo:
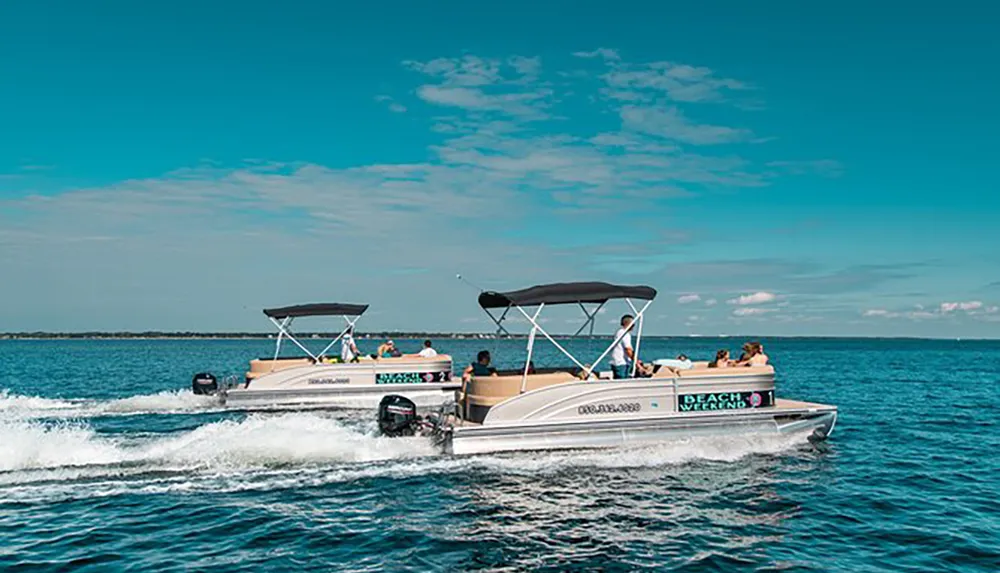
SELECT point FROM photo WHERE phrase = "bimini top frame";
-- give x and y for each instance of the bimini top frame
(282, 318)
(567, 293)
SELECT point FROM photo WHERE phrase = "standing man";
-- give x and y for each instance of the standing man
(622, 354)
(348, 350)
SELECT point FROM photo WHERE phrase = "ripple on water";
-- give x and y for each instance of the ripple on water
(155, 478)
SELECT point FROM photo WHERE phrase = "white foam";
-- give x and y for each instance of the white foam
(40, 461)
(259, 440)
(13, 404)
(29, 444)
(167, 402)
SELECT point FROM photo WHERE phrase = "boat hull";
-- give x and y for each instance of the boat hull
(360, 396)
(362, 385)
(815, 420)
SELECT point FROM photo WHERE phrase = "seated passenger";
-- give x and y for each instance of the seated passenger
(481, 367)
(388, 350)
(721, 360)
(747, 353)
(587, 373)
(427, 351)
(757, 356)
(531, 367)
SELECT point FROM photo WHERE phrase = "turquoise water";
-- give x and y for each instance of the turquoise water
(107, 462)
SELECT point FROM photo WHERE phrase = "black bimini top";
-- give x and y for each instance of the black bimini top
(317, 309)
(564, 293)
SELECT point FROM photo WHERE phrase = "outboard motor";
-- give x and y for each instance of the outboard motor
(397, 416)
(204, 383)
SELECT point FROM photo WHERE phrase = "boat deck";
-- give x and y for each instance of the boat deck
(781, 404)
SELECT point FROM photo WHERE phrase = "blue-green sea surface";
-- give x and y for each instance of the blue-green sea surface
(108, 463)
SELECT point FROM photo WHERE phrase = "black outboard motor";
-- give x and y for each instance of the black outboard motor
(397, 416)
(204, 383)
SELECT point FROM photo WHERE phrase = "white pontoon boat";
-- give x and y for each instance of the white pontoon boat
(558, 409)
(315, 379)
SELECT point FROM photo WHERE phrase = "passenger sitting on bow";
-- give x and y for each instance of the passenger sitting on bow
(721, 360)
(481, 367)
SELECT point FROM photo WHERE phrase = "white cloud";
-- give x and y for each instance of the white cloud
(604, 53)
(877, 312)
(752, 311)
(464, 71)
(918, 314)
(670, 123)
(507, 86)
(755, 298)
(490, 152)
(824, 167)
(392, 104)
(688, 298)
(678, 82)
(953, 306)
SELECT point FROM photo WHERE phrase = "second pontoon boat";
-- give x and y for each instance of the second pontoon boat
(314, 379)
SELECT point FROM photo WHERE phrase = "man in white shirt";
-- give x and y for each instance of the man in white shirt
(348, 350)
(427, 351)
(622, 354)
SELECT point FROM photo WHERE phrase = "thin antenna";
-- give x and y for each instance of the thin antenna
(470, 283)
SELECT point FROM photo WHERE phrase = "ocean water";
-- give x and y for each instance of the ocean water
(108, 462)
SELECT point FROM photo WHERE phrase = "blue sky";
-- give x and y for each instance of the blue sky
(778, 168)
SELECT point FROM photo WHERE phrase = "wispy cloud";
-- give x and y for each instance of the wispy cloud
(947, 307)
(506, 132)
(972, 309)
(604, 53)
(753, 311)
(507, 86)
(755, 298)
(676, 82)
(393, 105)
(688, 298)
(824, 167)
(670, 123)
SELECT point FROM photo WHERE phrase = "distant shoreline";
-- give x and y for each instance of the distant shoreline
(156, 335)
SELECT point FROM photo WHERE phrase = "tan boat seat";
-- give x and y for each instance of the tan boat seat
(730, 371)
(264, 365)
(412, 358)
(490, 390)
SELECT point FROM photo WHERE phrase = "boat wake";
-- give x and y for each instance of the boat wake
(166, 402)
(59, 459)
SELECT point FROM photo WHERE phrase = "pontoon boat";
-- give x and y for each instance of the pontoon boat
(557, 408)
(315, 379)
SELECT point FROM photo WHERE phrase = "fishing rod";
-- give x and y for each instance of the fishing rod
(470, 283)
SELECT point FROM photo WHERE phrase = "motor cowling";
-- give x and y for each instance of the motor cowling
(204, 383)
(397, 416)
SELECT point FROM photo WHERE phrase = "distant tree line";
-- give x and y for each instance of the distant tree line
(250, 335)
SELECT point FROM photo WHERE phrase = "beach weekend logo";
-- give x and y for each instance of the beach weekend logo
(724, 401)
